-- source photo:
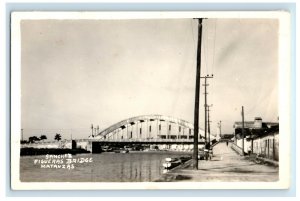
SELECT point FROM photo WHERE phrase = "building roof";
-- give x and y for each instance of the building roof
(255, 132)
(250, 124)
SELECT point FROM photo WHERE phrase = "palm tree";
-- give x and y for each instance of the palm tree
(43, 137)
(57, 137)
(32, 139)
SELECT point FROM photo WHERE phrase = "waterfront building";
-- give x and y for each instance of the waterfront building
(261, 138)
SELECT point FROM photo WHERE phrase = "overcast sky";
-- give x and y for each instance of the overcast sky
(78, 72)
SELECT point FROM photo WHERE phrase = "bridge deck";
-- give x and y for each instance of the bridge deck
(147, 141)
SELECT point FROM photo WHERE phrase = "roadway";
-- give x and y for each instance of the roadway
(227, 166)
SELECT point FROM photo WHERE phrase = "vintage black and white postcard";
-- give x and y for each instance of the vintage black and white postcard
(150, 100)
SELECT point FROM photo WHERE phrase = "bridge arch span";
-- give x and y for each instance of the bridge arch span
(149, 127)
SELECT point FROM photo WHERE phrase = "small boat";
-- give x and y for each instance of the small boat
(171, 159)
(171, 163)
(128, 148)
(121, 150)
(124, 151)
(106, 149)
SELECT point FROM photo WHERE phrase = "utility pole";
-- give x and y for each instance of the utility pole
(208, 126)
(205, 106)
(251, 138)
(197, 91)
(220, 127)
(243, 130)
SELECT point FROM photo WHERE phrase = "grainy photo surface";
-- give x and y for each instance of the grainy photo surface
(128, 100)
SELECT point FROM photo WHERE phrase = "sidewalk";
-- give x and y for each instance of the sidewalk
(225, 166)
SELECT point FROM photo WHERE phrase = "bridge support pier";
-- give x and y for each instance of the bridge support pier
(89, 146)
(94, 147)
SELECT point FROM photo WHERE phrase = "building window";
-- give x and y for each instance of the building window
(159, 127)
(179, 128)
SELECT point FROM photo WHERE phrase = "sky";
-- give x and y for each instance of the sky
(81, 72)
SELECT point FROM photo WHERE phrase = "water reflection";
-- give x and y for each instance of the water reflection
(106, 167)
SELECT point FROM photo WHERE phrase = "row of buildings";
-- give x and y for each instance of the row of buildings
(261, 138)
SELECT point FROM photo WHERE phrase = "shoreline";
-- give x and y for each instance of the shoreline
(55, 151)
(52, 151)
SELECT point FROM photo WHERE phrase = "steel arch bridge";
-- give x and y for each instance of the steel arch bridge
(149, 128)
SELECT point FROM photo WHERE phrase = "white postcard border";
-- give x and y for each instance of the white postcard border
(284, 101)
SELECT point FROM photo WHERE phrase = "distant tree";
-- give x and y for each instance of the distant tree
(43, 137)
(24, 141)
(32, 139)
(57, 137)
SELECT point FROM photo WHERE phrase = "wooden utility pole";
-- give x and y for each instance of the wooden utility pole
(205, 106)
(197, 91)
(220, 126)
(208, 125)
(243, 130)
(205, 114)
(251, 138)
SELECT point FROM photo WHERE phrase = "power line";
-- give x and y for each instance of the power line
(192, 32)
(205, 50)
(215, 36)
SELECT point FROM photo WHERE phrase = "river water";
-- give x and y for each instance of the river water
(104, 167)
